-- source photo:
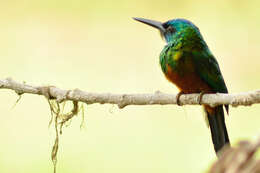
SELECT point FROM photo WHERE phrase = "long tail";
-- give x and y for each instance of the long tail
(217, 127)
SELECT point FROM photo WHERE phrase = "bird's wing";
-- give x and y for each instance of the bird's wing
(208, 69)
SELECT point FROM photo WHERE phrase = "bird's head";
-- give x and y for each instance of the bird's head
(180, 30)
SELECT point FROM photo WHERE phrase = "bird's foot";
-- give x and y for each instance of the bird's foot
(200, 97)
(178, 98)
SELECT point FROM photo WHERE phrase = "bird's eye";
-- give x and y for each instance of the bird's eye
(170, 29)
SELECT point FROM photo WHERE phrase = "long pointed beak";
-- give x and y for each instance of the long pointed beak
(152, 23)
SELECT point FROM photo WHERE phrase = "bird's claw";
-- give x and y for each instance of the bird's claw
(200, 97)
(178, 98)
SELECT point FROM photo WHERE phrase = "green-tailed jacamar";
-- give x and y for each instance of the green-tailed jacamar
(187, 62)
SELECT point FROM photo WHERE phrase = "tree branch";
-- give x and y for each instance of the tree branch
(122, 100)
(239, 159)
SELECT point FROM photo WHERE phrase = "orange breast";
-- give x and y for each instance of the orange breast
(188, 82)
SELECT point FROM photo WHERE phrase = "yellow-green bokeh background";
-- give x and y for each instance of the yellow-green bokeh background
(95, 46)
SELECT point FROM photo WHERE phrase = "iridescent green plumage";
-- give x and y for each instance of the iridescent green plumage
(188, 40)
(187, 62)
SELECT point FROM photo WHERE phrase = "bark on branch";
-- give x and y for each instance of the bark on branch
(122, 100)
(238, 159)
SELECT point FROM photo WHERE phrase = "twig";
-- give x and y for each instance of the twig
(122, 100)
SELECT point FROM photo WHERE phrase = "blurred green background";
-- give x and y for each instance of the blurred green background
(95, 46)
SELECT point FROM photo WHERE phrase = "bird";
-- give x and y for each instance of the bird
(187, 62)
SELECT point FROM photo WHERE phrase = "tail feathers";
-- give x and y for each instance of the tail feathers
(218, 128)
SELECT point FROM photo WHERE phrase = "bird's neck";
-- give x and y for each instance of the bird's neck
(186, 42)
